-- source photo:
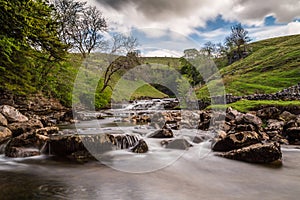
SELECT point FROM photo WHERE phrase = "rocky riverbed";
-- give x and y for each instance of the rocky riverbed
(256, 136)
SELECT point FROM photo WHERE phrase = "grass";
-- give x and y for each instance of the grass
(273, 65)
(249, 105)
(130, 90)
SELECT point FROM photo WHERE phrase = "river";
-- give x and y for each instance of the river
(195, 173)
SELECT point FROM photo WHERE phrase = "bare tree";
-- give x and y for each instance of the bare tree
(81, 27)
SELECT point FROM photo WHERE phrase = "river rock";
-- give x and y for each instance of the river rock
(235, 141)
(178, 143)
(256, 153)
(47, 130)
(249, 119)
(268, 113)
(287, 116)
(231, 114)
(20, 152)
(140, 147)
(162, 133)
(18, 128)
(12, 114)
(3, 120)
(5, 134)
(122, 141)
(293, 135)
(24, 144)
(65, 145)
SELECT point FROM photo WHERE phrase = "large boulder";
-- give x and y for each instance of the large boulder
(5, 134)
(25, 145)
(140, 147)
(12, 114)
(3, 120)
(19, 128)
(64, 145)
(256, 153)
(235, 141)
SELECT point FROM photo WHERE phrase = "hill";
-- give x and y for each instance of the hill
(273, 65)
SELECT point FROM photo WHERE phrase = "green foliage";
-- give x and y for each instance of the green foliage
(190, 72)
(28, 44)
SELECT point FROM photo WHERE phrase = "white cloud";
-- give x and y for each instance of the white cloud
(260, 33)
(179, 19)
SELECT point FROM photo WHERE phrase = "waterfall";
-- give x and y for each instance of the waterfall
(3, 146)
(123, 141)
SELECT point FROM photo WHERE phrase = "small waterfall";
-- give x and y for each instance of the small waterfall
(3, 146)
(123, 141)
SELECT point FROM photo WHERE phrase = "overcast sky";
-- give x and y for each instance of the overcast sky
(167, 27)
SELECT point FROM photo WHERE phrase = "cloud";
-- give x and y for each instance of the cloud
(185, 16)
(261, 33)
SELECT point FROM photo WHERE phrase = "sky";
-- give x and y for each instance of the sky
(167, 27)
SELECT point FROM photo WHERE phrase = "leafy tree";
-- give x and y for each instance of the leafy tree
(121, 64)
(81, 27)
(238, 38)
(209, 48)
(191, 53)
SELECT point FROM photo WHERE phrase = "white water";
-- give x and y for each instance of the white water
(159, 174)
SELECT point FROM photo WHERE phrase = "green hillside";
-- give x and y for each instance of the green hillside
(273, 65)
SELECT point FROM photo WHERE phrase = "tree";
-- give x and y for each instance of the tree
(81, 27)
(191, 53)
(120, 44)
(118, 66)
(28, 43)
(209, 48)
(238, 38)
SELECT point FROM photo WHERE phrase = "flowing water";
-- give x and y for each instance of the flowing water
(172, 174)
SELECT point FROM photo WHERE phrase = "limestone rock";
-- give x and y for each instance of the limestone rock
(24, 142)
(162, 133)
(3, 120)
(178, 143)
(140, 147)
(235, 141)
(20, 152)
(293, 135)
(287, 116)
(256, 153)
(19, 128)
(5, 134)
(12, 114)
(268, 113)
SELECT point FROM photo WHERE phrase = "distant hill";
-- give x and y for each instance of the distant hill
(273, 65)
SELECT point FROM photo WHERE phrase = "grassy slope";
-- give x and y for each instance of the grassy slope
(248, 105)
(273, 65)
